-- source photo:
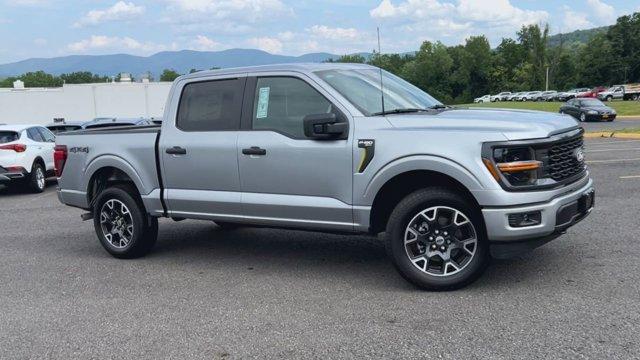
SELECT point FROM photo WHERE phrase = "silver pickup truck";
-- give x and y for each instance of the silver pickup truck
(337, 148)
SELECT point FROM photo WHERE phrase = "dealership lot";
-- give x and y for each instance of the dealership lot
(265, 293)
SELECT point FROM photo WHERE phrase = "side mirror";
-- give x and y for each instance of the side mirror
(324, 126)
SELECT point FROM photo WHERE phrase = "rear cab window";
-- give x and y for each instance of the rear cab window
(214, 105)
(8, 136)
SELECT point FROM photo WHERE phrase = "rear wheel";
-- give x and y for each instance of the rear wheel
(437, 240)
(37, 179)
(583, 117)
(122, 224)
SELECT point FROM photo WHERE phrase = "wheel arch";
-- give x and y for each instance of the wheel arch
(402, 184)
(107, 176)
(39, 160)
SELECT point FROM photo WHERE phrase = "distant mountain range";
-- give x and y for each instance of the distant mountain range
(180, 61)
(575, 37)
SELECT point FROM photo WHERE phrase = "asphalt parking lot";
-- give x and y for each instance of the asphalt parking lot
(260, 293)
(617, 124)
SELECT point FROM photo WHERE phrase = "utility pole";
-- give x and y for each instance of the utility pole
(546, 88)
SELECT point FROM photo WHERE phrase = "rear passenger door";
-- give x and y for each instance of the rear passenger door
(288, 179)
(48, 146)
(43, 148)
(198, 149)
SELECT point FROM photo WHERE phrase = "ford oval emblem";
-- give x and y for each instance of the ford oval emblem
(579, 155)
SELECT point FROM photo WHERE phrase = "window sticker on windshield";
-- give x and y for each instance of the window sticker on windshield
(263, 103)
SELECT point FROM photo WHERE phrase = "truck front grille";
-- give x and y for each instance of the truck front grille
(565, 159)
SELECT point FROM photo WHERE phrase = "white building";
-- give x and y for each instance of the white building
(83, 102)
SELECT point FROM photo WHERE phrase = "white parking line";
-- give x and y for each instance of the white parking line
(611, 160)
(630, 177)
(612, 142)
(604, 150)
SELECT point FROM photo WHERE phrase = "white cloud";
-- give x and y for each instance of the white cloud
(573, 20)
(120, 11)
(268, 44)
(418, 20)
(334, 33)
(605, 14)
(114, 43)
(203, 43)
(223, 16)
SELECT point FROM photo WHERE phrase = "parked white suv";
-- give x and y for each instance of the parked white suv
(483, 99)
(26, 155)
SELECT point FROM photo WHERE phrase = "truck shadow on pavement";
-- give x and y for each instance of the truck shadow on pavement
(360, 260)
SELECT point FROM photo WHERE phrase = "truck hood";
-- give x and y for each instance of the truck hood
(513, 124)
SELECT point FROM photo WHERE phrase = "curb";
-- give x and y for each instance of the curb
(629, 117)
(610, 134)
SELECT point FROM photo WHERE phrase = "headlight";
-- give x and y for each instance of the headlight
(613, 112)
(517, 165)
(592, 112)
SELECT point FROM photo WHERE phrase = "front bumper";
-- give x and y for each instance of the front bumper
(556, 217)
(601, 117)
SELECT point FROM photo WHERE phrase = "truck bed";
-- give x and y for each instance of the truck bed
(131, 149)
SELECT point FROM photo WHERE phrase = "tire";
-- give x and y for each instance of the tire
(582, 117)
(436, 203)
(124, 243)
(227, 225)
(36, 182)
(609, 98)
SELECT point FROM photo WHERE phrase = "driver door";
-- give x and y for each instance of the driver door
(286, 178)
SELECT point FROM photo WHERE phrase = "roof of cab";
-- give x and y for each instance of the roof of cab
(299, 67)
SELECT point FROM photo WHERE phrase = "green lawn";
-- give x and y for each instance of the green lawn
(623, 108)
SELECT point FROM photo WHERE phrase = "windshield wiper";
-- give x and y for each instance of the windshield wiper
(400, 111)
(438, 106)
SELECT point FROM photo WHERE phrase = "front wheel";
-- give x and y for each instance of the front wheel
(583, 117)
(122, 224)
(437, 240)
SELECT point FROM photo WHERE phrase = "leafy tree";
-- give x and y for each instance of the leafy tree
(40, 79)
(355, 58)
(534, 41)
(430, 70)
(82, 77)
(169, 75)
(594, 62)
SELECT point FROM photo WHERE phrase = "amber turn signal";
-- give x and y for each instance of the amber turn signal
(492, 169)
(519, 166)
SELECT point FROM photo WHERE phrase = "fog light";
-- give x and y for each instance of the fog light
(531, 218)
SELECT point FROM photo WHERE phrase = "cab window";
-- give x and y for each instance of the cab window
(282, 103)
(211, 105)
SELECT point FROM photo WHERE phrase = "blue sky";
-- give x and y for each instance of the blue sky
(49, 28)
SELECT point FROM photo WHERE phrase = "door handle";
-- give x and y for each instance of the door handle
(254, 150)
(176, 150)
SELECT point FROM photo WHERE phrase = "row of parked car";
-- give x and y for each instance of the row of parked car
(616, 92)
(27, 151)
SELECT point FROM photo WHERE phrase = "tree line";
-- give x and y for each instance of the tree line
(457, 74)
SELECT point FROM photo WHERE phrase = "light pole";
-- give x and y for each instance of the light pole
(546, 87)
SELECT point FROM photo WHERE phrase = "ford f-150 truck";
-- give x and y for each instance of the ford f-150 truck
(337, 148)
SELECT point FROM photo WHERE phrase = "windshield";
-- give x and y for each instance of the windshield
(362, 88)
